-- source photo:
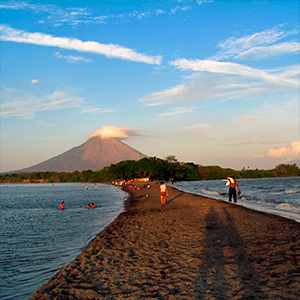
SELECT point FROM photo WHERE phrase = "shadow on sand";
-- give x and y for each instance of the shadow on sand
(178, 196)
(226, 271)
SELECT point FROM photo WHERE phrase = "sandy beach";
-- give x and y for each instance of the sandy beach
(192, 248)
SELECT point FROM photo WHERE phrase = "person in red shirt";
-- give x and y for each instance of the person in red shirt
(62, 206)
(232, 191)
(93, 205)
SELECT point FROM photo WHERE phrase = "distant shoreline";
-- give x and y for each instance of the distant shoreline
(109, 182)
(153, 168)
(193, 247)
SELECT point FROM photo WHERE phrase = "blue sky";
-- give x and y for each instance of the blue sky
(211, 82)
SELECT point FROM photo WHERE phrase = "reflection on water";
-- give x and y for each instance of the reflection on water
(37, 239)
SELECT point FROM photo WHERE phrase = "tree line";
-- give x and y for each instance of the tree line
(153, 168)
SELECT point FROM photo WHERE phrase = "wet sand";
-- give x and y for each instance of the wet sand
(192, 248)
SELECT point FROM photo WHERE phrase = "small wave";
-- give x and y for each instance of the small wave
(292, 191)
(208, 192)
(289, 207)
(265, 188)
(256, 201)
(246, 198)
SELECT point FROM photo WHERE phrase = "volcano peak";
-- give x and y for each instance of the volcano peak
(97, 152)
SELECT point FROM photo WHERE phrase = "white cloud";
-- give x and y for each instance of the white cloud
(234, 85)
(199, 126)
(264, 52)
(14, 6)
(176, 111)
(28, 106)
(199, 2)
(95, 110)
(178, 8)
(249, 118)
(166, 96)
(159, 12)
(233, 69)
(213, 79)
(205, 86)
(258, 45)
(73, 59)
(74, 16)
(55, 14)
(115, 132)
(265, 37)
(17, 104)
(109, 50)
(290, 71)
(292, 151)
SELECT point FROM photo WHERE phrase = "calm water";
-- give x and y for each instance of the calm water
(279, 196)
(37, 239)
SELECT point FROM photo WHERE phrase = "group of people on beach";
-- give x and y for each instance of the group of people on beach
(129, 184)
(232, 190)
(164, 192)
(89, 206)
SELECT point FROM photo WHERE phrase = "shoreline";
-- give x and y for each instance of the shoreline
(279, 198)
(290, 215)
(192, 248)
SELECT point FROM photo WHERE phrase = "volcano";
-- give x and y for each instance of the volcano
(95, 154)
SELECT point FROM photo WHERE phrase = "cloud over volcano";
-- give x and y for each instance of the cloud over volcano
(120, 133)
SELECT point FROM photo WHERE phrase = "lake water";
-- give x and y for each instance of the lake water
(37, 239)
(280, 196)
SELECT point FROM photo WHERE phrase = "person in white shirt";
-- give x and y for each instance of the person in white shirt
(163, 193)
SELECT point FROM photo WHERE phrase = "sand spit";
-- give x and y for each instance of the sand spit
(192, 248)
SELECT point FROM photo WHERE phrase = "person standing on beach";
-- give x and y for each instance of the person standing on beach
(232, 191)
(163, 193)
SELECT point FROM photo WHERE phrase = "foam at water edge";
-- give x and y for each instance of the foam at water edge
(291, 191)
(210, 192)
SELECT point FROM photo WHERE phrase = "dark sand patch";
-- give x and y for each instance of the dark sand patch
(192, 248)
